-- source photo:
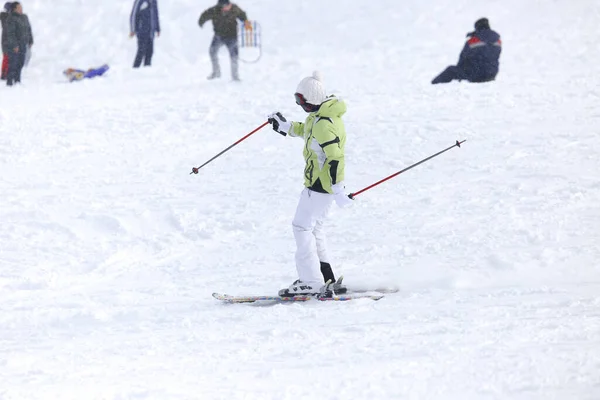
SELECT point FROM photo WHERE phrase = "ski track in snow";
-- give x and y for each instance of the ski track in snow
(110, 249)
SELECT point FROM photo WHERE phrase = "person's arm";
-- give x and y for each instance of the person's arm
(133, 17)
(241, 15)
(156, 18)
(325, 134)
(297, 129)
(30, 32)
(462, 58)
(206, 15)
(11, 34)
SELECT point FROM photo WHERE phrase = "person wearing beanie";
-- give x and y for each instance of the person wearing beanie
(19, 39)
(224, 17)
(145, 25)
(479, 58)
(5, 50)
(324, 138)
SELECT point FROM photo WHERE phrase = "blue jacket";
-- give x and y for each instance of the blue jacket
(479, 58)
(79, 74)
(144, 18)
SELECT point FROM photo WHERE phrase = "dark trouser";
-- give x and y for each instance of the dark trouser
(449, 74)
(453, 72)
(327, 272)
(144, 52)
(16, 60)
(232, 46)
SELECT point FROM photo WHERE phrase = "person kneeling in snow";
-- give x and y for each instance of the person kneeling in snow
(478, 61)
(73, 74)
(324, 141)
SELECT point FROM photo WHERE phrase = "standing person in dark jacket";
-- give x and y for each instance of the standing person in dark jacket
(18, 39)
(224, 17)
(3, 17)
(144, 24)
(478, 61)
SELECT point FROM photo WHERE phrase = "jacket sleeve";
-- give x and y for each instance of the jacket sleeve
(240, 14)
(326, 135)
(462, 58)
(156, 18)
(11, 34)
(133, 16)
(30, 32)
(297, 130)
(205, 16)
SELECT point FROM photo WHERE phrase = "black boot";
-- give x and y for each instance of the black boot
(328, 276)
(327, 272)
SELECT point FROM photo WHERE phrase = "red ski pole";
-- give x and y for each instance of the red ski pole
(195, 170)
(352, 195)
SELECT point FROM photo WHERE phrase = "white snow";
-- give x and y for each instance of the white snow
(110, 249)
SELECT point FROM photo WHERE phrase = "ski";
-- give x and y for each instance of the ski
(278, 299)
(380, 290)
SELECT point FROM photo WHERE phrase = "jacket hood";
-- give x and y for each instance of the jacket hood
(332, 107)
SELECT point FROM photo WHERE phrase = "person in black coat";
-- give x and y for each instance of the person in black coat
(18, 39)
(479, 58)
(3, 17)
(145, 24)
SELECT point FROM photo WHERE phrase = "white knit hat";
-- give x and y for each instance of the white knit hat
(312, 89)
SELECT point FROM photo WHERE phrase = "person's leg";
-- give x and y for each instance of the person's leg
(448, 75)
(215, 45)
(483, 79)
(232, 46)
(321, 241)
(13, 63)
(312, 207)
(141, 52)
(149, 51)
(20, 65)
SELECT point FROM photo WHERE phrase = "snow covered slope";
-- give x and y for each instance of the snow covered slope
(110, 249)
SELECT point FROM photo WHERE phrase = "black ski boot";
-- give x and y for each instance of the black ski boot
(328, 275)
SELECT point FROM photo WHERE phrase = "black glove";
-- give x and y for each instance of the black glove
(280, 124)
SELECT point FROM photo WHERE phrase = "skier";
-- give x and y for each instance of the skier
(224, 17)
(324, 141)
(478, 61)
(144, 23)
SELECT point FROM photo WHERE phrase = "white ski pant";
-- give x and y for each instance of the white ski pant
(309, 233)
